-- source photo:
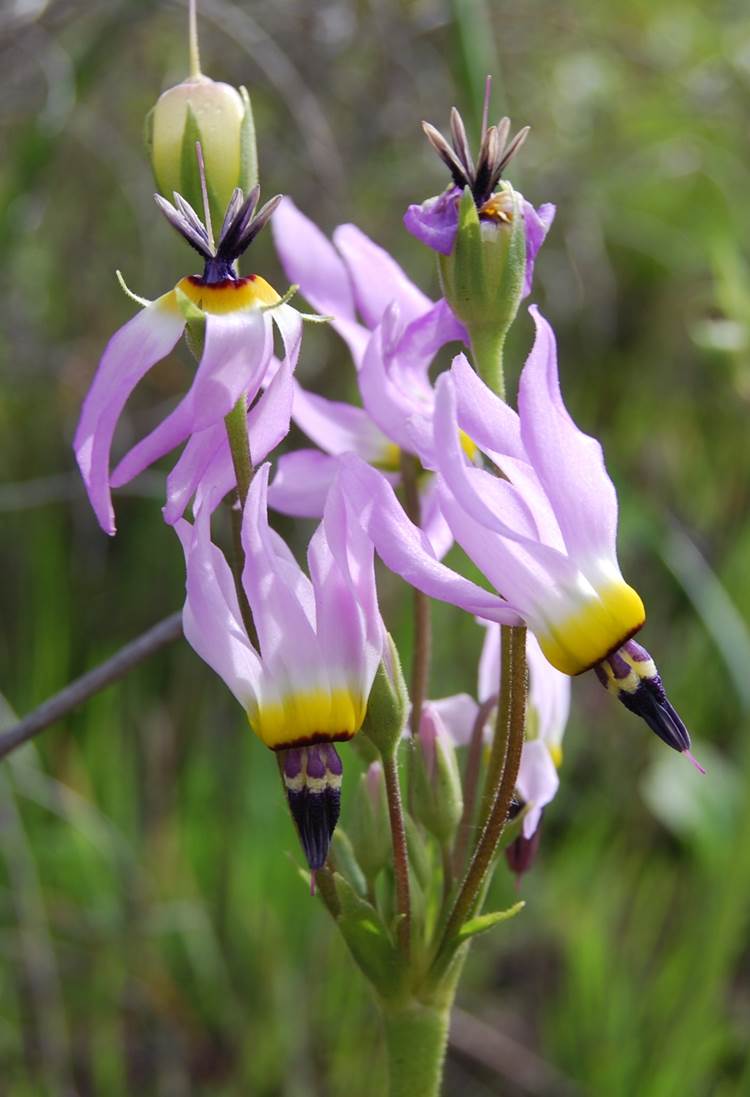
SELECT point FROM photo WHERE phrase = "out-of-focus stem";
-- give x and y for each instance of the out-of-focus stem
(239, 446)
(400, 854)
(471, 784)
(483, 855)
(420, 668)
(193, 51)
(502, 725)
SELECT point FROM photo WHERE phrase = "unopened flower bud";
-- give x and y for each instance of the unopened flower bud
(438, 799)
(221, 119)
(388, 703)
(369, 830)
(483, 276)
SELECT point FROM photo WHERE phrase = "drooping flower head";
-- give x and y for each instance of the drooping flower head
(232, 316)
(305, 684)
(543, 531)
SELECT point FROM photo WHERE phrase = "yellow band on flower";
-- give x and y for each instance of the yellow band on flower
(311, 716)
(229, 296)
(581, 640)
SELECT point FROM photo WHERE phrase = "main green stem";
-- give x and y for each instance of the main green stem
(416, 1036)
(482, 858)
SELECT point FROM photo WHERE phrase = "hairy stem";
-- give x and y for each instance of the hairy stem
(483, 855)
(74, 694)
(415, 1038)
(400, 853)
(487, 354)
(471, 784)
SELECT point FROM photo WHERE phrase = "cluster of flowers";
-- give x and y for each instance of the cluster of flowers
(525, 493)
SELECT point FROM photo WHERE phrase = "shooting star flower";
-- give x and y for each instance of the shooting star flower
(305, 683)
(233, 317)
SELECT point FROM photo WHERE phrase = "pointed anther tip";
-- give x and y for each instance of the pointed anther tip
(694, 762)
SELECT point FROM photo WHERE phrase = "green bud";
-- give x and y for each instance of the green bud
(221, 118)
(437, 802)
(388, 703)
(483, 276)
(369, 829)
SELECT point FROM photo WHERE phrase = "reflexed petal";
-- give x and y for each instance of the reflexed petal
(211, 617)
(487, 419)
(377, 278)
(191, 467)
(435, 222)
(569, 463)
(269, 418)
(129, 355)
(549, 694)
(537, 224)
(301, 483)
(406, 549)
(281, 598)
(433, 522)
(237, 351)
(311, 262)
(458, 714)
(387, 404)
(338, 427)
(488, 684)
(537, 782)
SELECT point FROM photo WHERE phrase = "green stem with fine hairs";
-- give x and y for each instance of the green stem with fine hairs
(400, 852)
(416, 1035)
(487, 353)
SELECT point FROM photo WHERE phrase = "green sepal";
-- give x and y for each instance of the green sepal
(484, 922)
(388, 703)
(248, 146)
(437, 797)
(346, 862)
(368, 827)
(483, 279)
(369, 941)
(195, 324)
(190, 179)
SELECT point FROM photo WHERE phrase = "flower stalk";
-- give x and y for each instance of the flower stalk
(416, 1035)
(400, 853)
(484, 853)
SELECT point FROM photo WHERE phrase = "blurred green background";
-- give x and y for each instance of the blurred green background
(155, 937)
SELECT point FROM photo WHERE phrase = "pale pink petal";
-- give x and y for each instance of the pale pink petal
(549, 694)
(488, 684)
(211, 617)
(406, 549)
(129, 355)
(388, 405)
(311, 262)
(236, 354)
(269, 418)
(489, 421)
(301, 483)
(190, 469)
(458, 715)
(377, 278)
(433, 522)
(281, 599)
(337, 427)
(569, 463)
(537, 782)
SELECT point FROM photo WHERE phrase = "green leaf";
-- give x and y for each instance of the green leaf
(248, 150)
(483, 922)
(346, 861)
